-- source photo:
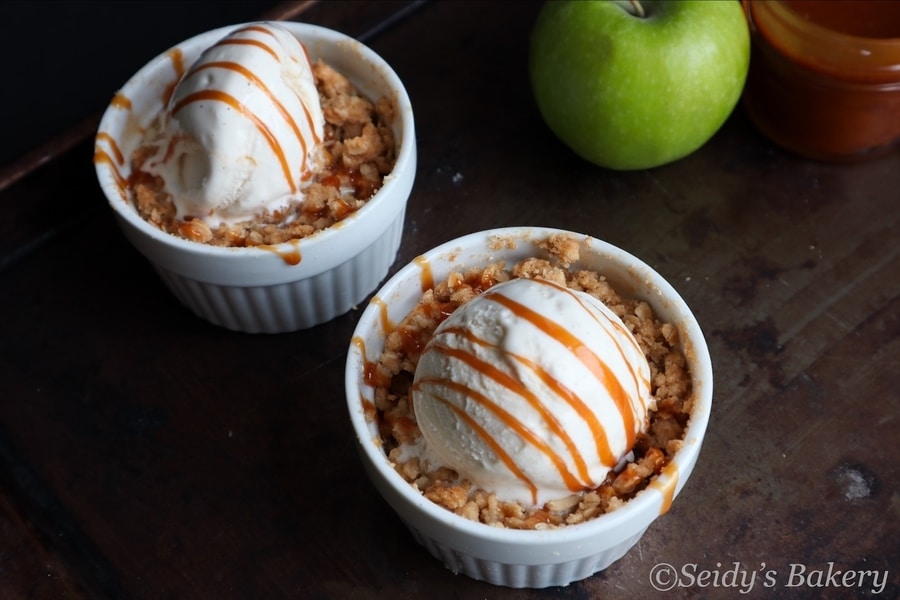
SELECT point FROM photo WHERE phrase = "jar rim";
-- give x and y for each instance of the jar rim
(820, 48)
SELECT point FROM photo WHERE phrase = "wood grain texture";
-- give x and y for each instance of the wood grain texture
(146, 454)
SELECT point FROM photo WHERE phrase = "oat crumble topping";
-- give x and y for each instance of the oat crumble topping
(392, 376)
(360, 151)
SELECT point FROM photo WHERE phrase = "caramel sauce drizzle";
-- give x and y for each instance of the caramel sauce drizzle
(113, 160)
(263, 46)
(584, 354)
(102, 157)
(667, 487)
(516, 386)
(360, 345)
(120, 100)
(426, 277)
(113, 146)
(291, 257)
(285, 114)
(623, 333)
(219, 96)
(309, 118)
(369, 407)
(177, 58)
(114, 157)
(496, 447)
(261, 126)
(384, 319)
(231, 40)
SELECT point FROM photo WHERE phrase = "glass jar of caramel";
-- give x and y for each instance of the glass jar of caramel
(824, 78)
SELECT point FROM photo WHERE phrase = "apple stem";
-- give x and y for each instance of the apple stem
(638, 9)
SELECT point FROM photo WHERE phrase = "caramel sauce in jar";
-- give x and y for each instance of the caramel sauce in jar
(824, 78)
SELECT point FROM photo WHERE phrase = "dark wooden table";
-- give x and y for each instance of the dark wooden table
(147, 454)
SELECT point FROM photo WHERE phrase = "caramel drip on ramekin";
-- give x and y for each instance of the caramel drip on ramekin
(384, 318)
(113, 146)
(291, 257)
(102, 157)
(113, 158)
(667, 487)
(426, 277)
(120, 100)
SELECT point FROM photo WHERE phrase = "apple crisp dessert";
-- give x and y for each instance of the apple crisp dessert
(392, 375)
(359, 151)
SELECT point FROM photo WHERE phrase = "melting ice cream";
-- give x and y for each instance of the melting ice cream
(532, 391)
(241, 131)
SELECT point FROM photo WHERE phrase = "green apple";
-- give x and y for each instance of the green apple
(636, 84)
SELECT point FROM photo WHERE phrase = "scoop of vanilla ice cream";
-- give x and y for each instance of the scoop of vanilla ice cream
(241, 131)
(532, 391)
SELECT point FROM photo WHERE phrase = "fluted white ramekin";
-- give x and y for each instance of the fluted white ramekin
(517, 558)
(291, 286)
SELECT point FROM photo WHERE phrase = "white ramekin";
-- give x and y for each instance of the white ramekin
(252, 289)
(517, 558)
